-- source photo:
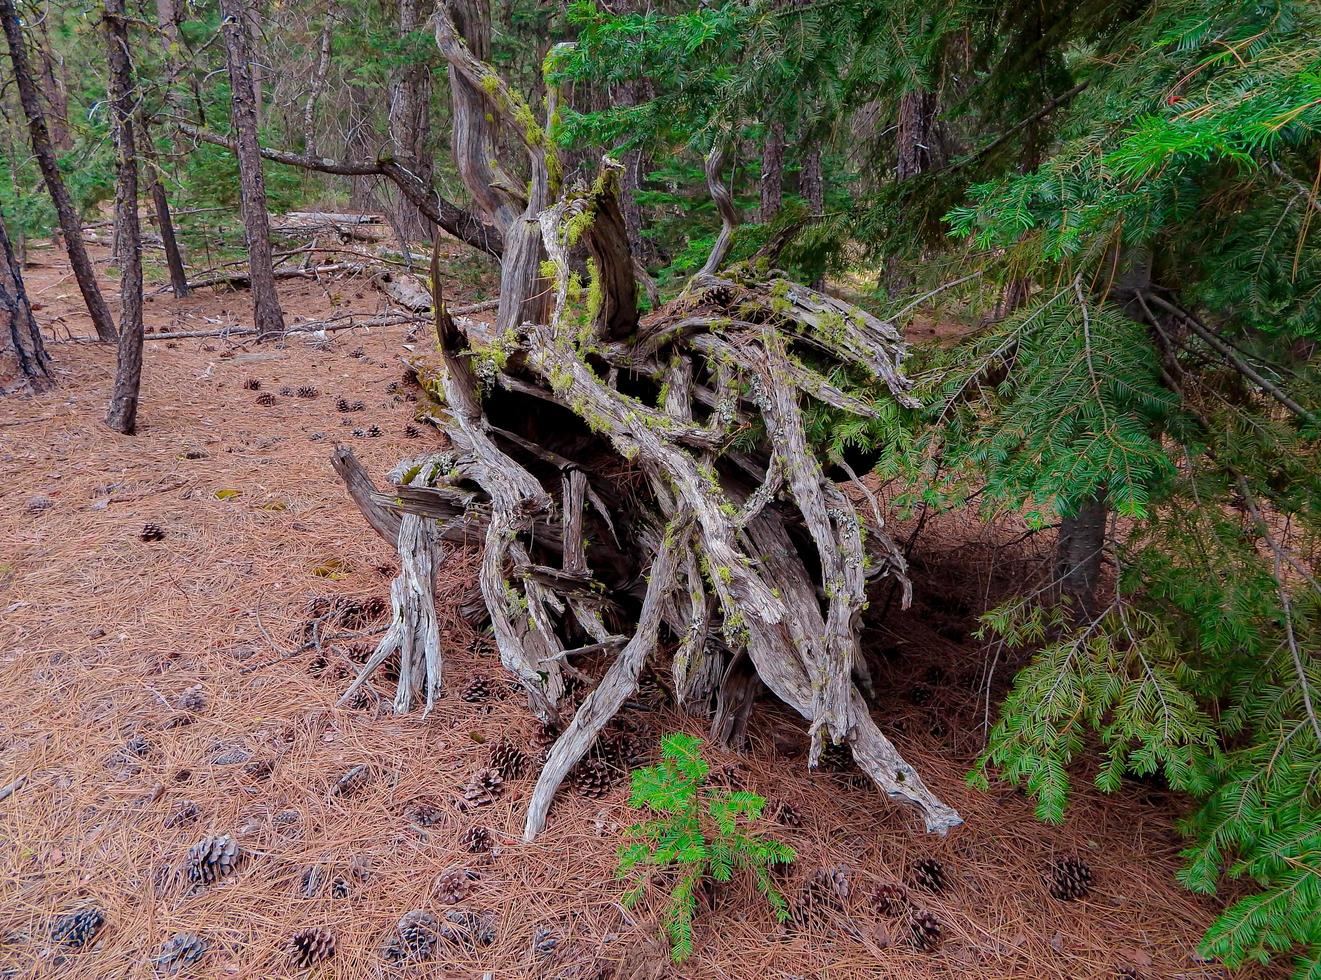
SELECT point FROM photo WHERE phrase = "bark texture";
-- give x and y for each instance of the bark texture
(24, 363)
(1078, 553)
(267, 315)
(43, 150)
(122, 415)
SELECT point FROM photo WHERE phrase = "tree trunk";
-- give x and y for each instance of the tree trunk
(318, 80)
(919, 141)
(161, 204)
(812, 184)
(122, 416)
(50, 173)
(1078, 553)
(772, 173)
(410, 116)
(267, 315)
(23, 359)
(52, 87)
(481, 103)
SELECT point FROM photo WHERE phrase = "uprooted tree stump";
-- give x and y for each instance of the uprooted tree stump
(639, 481)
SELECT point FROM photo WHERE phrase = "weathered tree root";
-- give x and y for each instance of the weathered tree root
(659, 473)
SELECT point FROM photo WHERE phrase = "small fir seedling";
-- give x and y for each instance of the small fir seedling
(697, 833)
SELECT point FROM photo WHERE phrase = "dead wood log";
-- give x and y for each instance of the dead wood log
(652, 477)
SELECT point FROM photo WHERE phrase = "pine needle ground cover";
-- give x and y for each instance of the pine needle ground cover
(104, 635)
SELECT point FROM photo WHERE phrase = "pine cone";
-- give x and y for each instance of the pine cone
(212, 859)
(374, 432)
(509, 759)
(920, 695)
(836, 757)
(392, 387)
(929, 875)
(593, 778)
(468, 928)
(478, 840)
(357, 352)
(286, 392)
(424, 813)
(414, 937)
(721, 295)
(77, 928)
(152, 532)
(890, 899)
(359, 433)
(476, 691)
(307, 391)
(412, 432)
(358, 406)
(454, 885)
(139, 745)
(193, 699)
(185, 812)
(266, 398)
(541, 741)
(252, 384)
(353, 780)
(787, 814)
(342, 405)
(544, 941)
(627, 751)
(339, 888)
(179, 952)
(823, 893)
(1070, 879)
(924, 929)
(308, 947)
(484, 788)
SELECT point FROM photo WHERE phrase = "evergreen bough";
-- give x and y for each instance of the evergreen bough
(697, 834)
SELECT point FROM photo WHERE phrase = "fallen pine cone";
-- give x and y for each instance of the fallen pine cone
(308, 947)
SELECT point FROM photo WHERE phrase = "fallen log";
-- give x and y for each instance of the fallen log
(240, 280)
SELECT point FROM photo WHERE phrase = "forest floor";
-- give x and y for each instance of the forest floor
(102, 636)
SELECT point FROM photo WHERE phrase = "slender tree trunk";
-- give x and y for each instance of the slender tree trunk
(318, 85)
(122, 416)
(268, 318)
(920, 144)
(772, 173)
(50, 173)
(410, 116)
(164, 221)
(22, 351)
(812, 184)
(57, 99)
(1078, 553)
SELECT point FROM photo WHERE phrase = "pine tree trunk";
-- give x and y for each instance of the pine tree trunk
(52, 87)
(318, 85)
(268, 318)
(812, 185)
(23, 360)
(772, 173)
(919, 142)
(43, 150)
(122, 415)
(410, 118)
(161, 204)
(1078, 553)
